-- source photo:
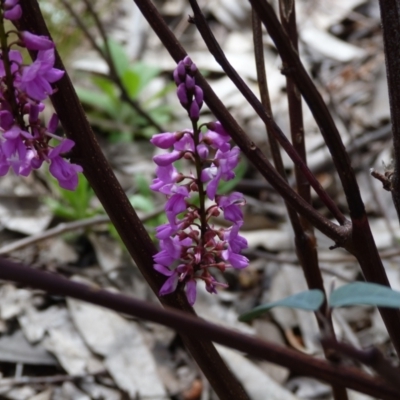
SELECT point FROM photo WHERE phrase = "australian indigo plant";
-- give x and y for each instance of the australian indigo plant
(24, 141)
(189, 239)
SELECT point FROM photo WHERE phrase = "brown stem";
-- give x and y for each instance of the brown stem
(98, 172)
(305, 241)
(220, 57)
(371, 357)
(362, 243)
(390, 15)
(190, 326)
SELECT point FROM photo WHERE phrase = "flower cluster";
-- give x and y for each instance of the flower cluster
(190, 243)
(24, 141)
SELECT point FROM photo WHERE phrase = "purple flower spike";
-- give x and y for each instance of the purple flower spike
(35, 42)
(25, 147)
(189, 239)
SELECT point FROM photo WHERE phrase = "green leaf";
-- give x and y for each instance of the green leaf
(119, 56)
(140, 202)
(146, 72)
(310, 300)
(95, 99)
(131, 81)
(143, 186)
(105, 85)
(364, 293)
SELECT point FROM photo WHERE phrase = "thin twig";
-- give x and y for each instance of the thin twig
(305, 242)
(371, 357)
(48, 380)
(196, 327)
(390, 11)
(362, 243)
(107, 57)
(66, 227)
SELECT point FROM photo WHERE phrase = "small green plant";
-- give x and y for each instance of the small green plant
(108, 111)
(356, 293)
(73, 205)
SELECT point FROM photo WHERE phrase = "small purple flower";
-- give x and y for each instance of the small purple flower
(164, 140)
(36, 78)
(35, 42)
(166, 178)
(236, 243)
(15, 58)
(166, 230)
(15, 149)
(202, 151)
(12, 12)
(222, 168)
(236, 260)
(230, 206)
(217, 141)
(212, 283)
(176, 203)
(170, 284)
(194, 111)
(198, 96)
(63, 171)
(189, 83)
(166, 159)
(182, 95)
(179, 73)
(171, 250)
(185, 143)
